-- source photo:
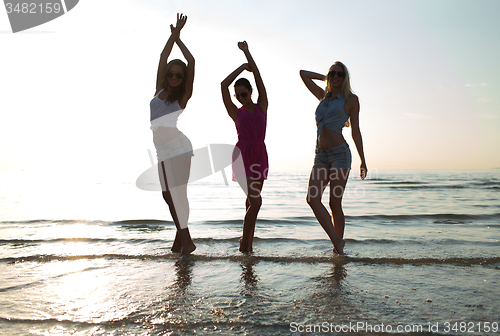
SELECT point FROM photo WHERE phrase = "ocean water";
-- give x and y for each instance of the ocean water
(94, 258)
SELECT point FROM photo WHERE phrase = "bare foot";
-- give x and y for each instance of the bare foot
(176, 248)
(244, 247)
(187, 249)
(177, 245)
(341, 253)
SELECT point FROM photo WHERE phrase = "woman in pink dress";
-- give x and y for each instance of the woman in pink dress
(250, 164)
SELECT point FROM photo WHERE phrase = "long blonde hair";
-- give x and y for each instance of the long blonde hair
(345, 88)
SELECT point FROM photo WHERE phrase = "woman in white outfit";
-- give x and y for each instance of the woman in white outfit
(174, 87)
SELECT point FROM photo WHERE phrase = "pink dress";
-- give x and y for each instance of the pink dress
(251, 129)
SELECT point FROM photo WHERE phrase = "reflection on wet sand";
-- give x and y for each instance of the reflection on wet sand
(184, 272)
(248, 277)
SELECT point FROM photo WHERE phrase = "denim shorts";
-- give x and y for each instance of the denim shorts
(338, 157)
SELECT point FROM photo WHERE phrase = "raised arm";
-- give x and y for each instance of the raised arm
(181, 21)
(262, 99)
(307, 78)
(353, 111)
(232, 110)
(190, 71)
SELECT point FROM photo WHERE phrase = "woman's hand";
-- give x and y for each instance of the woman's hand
(181, 21)
(363, 171)
(243, 46)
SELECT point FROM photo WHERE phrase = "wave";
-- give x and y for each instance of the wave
(281, 221)
(493, 261)
(212, 241)
(390, 182)
(477, 220)
(41, 322)
(52, 221)
(436, 218)
(487, 183)
(135, 323)
(148, 223)
(17, 241)
(142, 221)
(433, 185)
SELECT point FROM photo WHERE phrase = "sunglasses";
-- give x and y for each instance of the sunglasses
(341, 74)
(178, 75)
(242, 95)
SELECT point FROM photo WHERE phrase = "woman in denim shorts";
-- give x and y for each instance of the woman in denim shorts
(332, 163)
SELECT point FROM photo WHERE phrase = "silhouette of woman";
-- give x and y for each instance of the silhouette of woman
(174, 87)
(332, 163)
(250, 164)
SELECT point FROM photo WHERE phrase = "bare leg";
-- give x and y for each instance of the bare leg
(174, 175)
(253, 204)
(338, 181)
(247, 206)
(177, 175)
(318, 181)
(239, 170)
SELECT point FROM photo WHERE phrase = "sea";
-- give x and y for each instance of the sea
(92, 257)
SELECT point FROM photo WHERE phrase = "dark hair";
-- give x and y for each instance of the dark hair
(178, 91)
(243, 82)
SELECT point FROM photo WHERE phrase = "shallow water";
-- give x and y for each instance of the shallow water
(422, 252)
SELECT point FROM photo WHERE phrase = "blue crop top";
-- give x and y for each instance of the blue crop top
(331, 115)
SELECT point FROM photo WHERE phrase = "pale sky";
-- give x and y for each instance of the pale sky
(76, 90)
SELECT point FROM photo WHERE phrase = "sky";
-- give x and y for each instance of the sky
(76, 90)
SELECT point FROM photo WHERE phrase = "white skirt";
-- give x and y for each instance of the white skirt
(179, 146)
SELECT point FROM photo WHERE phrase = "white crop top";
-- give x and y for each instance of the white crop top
(164, 114)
